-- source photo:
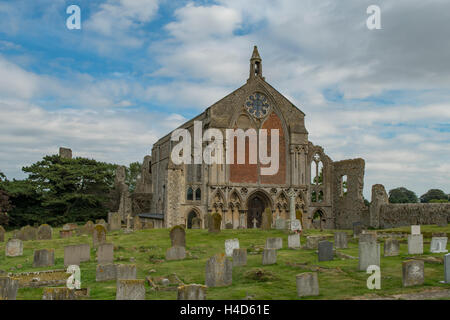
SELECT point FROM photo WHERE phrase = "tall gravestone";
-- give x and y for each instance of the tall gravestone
(8, 288)
(415, 244)
(267, 219)
(219, 271)
(14, 248)
(2, 234)
(214, 225)
(325, 251)
(340, 240)
(307, 284)
(114, 221)
(44, 258)
(239, 257)
(208, 220)
(447, 268)
(44, 232)
(178, 236)
(369, 253)
(99, 235)
(105, 253)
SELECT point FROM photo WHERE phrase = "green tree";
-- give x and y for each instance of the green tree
(402, 195)
(433, 194)
(133, 172)
(5, 203)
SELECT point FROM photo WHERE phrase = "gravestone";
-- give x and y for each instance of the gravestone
(137, 223)
(369, 254)
(106, 272)
(176, 253)
(340, 240)
(2, 234)
(438, 245)
(114, 221)
(357, 229)
(196, 223)
(105, 253)
(99, 235)
(219, 271)
(27, 233)
(208, 220)
(367, 235)
(415, 229)
(8, 288)
(239, 257)
(126, 271)
(391, 247)
(269, 256)
(214, 225)
(75, 254)
(44, 258)
(191, 292)
(178, 236)
(230, 245)
(59, 294)
(312, 242)
(267, 219)
(70, 226)
(325, 251)
(280, 224)
(413, 273)
(307, 284)
(64, 234)
(274, 243)
(447, 268)
(415, 244)
(14, 248)
(44, 232)
(130, 290)
(294, 241)
(87, 229)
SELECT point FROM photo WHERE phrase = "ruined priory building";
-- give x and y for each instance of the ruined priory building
(326, 193)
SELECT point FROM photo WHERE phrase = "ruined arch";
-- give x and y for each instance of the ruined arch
(192, 213)
(257, 202)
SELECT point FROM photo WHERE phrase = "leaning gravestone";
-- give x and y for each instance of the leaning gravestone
(214, 225)
(8, 288)
(447, 268)
(59, 294)
(391, 247)
(325, 251)
(130, 290)
(413, 274)
(438, 245)
(294, 241)
(239, 257)
(176, 253)
(191, 292)
(14, 248)
(340, 240)
(99, 235)
(44, 232)
(369, 254)
(44, 258)
(267, 219)
(219, 271)
(230, 245)
(415, 244)
(269, 256)
(105, 253)
(2, 234)
(307, 284)
(274, 243)
(106, 272)
(27, 233)
(114, 221)
(126, 271)
(178, 236)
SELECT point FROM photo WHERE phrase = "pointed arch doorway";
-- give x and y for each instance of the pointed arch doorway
(256, 205)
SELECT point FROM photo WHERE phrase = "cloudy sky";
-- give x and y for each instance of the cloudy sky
(139, 68)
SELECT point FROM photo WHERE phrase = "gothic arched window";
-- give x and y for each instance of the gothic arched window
(198, 194)
(190, 194)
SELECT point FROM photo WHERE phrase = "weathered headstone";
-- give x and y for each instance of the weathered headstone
(369, 254)
(191, 292)
(267, 219)
(2, 234)
(239, 257)
(27, 233)
(307, 284)
(126, 271)
(196, 223)
(44, 232)
(176, 253)
(99, 235)
(214, 225)
(75, 254)
(294, 241)
(178, 236)
(114, 221)
(325, 251)
(230, 245)
(312, 242)
(357, 229)
(219, 271)
(447, 268)
(130, 290)
(415, 229)
(105, 253)
(274, 243)
(106, 272)
(391, 247)
(415, 244)
(280, 224)
(340, 240)
(44, 258)
(438, 245)
(8, 288)
(14, 248)
(413, 273)
(59, 294)
(89, 227)
(269, 256)
(102, 222)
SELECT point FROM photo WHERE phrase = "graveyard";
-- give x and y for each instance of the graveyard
(264, 268)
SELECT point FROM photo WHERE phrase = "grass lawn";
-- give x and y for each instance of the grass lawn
(338, 279)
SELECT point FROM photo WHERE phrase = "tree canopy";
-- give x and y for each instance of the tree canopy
(434, 194)
(402, 195)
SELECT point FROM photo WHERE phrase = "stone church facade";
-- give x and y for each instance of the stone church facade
(327, 194)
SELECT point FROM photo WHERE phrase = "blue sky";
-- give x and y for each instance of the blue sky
(139, 68)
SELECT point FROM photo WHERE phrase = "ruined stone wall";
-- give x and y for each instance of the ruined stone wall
(349, 208)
